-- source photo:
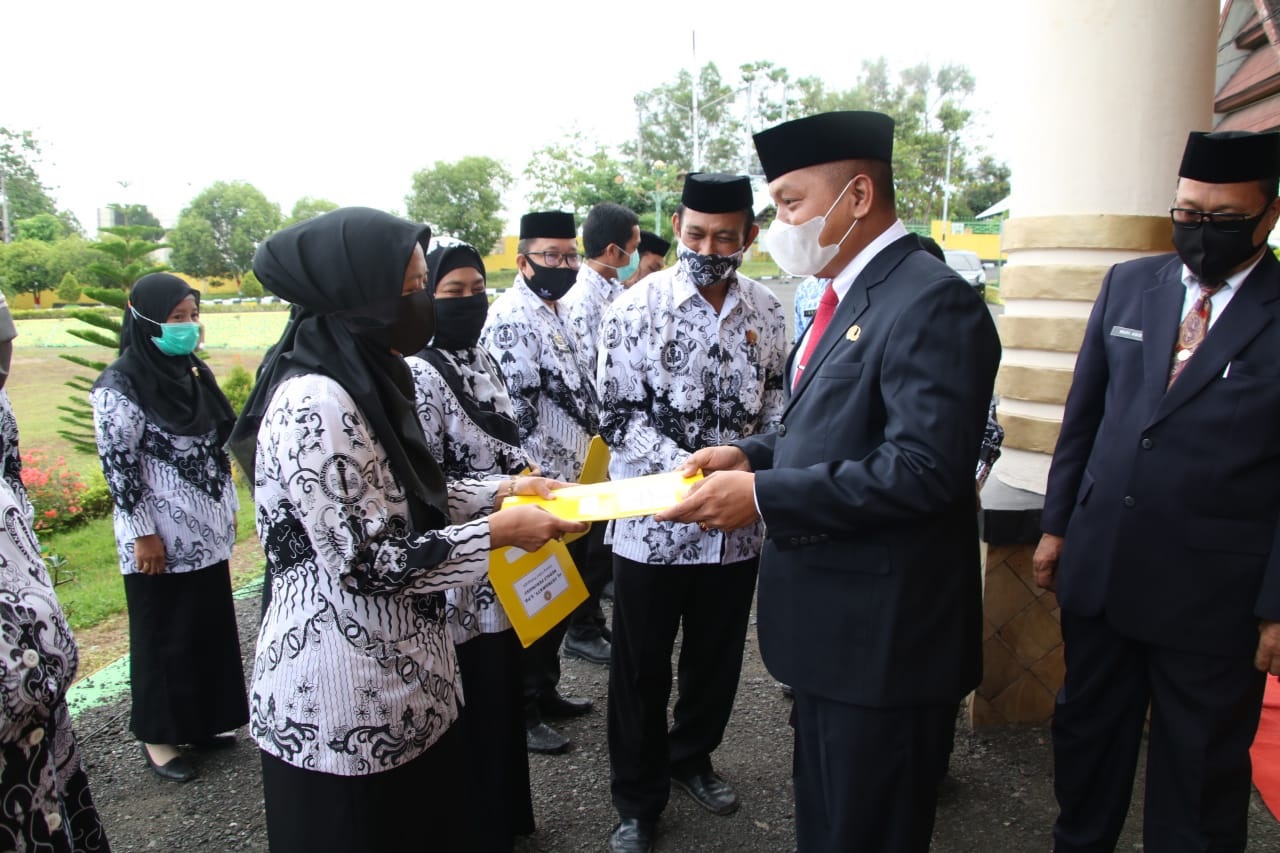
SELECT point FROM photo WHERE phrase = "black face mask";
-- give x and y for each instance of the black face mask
(1211, 253)
(403, 323)
(459, 321)
(550, 282)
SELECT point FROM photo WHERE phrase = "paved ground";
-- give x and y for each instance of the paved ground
(999, 796)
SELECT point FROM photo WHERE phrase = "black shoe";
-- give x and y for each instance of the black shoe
(632, 835)
(592, 649)
(540, 737)
(215, 742)
(176, 770)
(556, 707)
(710, 791)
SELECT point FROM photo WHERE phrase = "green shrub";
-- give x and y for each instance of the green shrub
(56, 492)
(236, 386)
(96, 499)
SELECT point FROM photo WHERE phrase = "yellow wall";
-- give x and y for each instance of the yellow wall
(206, 286)
(987, 246)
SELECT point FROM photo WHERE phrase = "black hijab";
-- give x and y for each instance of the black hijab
(441, 261)
(336, 269)
(177, 392)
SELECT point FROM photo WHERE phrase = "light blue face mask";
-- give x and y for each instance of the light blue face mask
(178, 338)
(174, 338)
(629, 270)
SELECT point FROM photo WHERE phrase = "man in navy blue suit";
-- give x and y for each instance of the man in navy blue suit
(870, 590)
(1161, 517)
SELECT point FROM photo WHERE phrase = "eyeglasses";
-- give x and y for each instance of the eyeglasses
(1185, 217)
(552, 259)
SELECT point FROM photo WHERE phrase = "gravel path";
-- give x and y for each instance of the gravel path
(999, 796)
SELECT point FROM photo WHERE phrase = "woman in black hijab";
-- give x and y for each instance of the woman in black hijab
(355, 689)
(469, 423)
(161, 422)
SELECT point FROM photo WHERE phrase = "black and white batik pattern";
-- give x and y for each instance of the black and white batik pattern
(45, 803)
(584, 305)
(555, 403)
(11, 456)
(674, 376)
(178, 487)
(465, 450)
(354, 672)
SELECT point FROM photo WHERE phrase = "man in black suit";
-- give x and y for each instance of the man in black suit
(869, 595)
(1160, 518)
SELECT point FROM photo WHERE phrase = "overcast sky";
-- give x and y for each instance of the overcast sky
(346, 100)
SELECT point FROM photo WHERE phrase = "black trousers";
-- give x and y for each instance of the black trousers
(651, 604)
(596, 570)
(1204, 713)
(418, 806)
(540, 662)
(867, 778)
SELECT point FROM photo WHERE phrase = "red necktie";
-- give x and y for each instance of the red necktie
(826, 309)
(1192, 331)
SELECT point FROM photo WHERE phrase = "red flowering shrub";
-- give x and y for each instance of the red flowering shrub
(56, 492)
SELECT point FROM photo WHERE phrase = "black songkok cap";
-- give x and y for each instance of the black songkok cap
(824, 138)
(551, 223)
(717, 192)
(1230, 157)
(652, 244)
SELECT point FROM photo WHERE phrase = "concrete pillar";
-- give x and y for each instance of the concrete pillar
(1103, 95)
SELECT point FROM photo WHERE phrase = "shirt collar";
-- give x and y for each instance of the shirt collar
(608, 287)
(844, 279)
(683, 288)
(1190, 279)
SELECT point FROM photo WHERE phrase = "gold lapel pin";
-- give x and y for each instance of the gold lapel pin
(855, 332)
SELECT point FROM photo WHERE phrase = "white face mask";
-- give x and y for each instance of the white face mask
(796, 247)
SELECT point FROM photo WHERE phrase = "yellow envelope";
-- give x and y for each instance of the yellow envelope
(536, 589)
(595, 468)
(614, 499)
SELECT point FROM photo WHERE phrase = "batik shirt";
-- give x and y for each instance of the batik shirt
(47, 804)
(178, 487)
(808, 292)
(354, 672)
(584, 305)
(555, 403)
(11, 456)
(465, 450)
(674, 377)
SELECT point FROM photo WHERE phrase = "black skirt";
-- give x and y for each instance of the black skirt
(185, 670)
(417, 806)
(500, 805)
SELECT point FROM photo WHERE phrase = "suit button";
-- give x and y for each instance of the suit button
(1147, 444)
(1129, 501)
(782, 430)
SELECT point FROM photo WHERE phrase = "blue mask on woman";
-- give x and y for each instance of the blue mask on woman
(177, 338)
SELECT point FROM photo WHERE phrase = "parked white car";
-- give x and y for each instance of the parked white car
(969, 267)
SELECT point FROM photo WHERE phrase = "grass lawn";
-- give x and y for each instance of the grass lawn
(36, 388)
(89, 586)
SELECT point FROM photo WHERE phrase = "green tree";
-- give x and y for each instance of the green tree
(127, 249)
(984, 185)
(104, 331)
(931, 121)
(461, 200)
(665, 117)
(133, 214)
(220, 230)
(24, 268)
(26, 193)
(309, 208)
(69, 288)
(250, 286)
(44, 227)
(75, 255)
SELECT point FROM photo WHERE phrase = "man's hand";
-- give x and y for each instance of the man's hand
(148, 553)
(1268, 657)
(724, 501)
(1045, 561)
(709, 459)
